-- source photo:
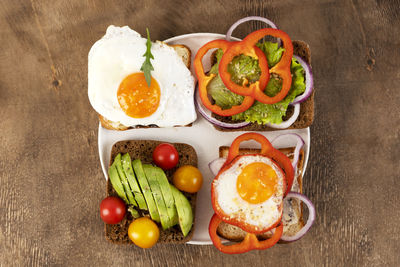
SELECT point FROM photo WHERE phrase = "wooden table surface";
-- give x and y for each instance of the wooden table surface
(51, 181)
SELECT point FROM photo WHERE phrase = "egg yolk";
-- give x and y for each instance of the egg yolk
(257, 182)
(136, 98)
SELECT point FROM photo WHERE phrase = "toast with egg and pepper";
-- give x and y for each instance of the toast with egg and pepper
(292, 209)
(136, 83)
(142, 150)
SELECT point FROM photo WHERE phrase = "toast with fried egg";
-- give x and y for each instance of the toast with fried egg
(292, 217)
(184, 52)
(134, 82)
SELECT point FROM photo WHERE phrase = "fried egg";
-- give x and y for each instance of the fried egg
(118, 90)
(251, 191)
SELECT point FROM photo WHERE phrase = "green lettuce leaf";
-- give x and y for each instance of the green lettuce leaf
(244, 67)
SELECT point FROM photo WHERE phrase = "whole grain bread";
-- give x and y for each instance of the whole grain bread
(184, 52)
(143, 150)
(291, 224)
(306, 115)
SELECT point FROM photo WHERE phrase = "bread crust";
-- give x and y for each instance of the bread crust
(306, 116)
(234, 233)
(143, 150)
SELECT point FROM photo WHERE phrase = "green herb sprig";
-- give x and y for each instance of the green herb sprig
(147, 67)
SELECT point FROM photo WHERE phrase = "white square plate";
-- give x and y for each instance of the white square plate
(205, 139)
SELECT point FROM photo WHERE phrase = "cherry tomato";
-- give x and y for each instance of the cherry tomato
(112, 210)
(165, 156)
(144, 232)
(188, 178)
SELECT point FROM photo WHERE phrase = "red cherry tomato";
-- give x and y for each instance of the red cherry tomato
(112, 210)
(165, 156)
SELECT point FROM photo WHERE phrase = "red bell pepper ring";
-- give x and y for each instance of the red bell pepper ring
(250, 242)
(248, 50)
(247, 47)
(204, 80)
(266, 150)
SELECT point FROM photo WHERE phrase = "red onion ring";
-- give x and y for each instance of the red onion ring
(310, 220)
(243, 20)
(216, 165)
(289, 122)
(309, 82)
(299, 144)
(207, 114)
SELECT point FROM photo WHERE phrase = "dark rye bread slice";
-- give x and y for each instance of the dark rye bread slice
(306, 115)
(234, 233)
(143, 150)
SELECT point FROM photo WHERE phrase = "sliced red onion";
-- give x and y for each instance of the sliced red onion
(309, 81)
(310, 220)
(243, 20)
(207, 115)
(289, 122)
(299, 144)
(216, 165)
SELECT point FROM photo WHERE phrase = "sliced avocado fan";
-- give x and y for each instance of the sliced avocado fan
(151, 175)
(130, 175)
(184, 209)
(167, 194)
(144, 185)
(116, 182)
(124, 180)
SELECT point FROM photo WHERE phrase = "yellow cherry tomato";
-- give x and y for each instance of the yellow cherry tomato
(188, 178)
(144, 232)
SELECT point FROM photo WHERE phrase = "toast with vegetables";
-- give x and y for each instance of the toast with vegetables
(292, 210)
(256, 84)
(155, 196)
(306, 116)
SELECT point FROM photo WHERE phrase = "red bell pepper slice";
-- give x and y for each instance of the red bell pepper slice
(204, 80)
(247, 47)
(250, 242)
(248, 50)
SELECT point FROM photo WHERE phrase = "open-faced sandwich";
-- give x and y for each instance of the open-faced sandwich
(256, 195)
(151, 193)
(255, 85)
(133, 82)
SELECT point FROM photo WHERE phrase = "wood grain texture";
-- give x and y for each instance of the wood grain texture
(51, 182)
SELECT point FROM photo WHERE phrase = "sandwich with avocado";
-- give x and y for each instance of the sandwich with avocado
(150, 187)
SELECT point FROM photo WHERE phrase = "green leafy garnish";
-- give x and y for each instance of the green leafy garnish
(147, 67)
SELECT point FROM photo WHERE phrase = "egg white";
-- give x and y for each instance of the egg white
(260, 215)
(120, 53)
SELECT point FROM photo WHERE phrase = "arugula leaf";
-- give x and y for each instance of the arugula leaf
(147, 67)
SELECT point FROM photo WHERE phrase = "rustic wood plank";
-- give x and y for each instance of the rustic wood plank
(50, 178)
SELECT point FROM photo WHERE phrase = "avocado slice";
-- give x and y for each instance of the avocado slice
(151, 175)
(167, 194)
(135, 214)
(116, 182)
(124, 180)
(130, 175)
(144, 185)
(184, 209)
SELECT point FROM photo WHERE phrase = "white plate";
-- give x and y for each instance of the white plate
(205, 139)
